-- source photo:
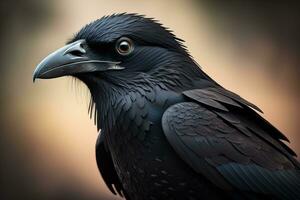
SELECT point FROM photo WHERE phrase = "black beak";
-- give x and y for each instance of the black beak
(72, 59)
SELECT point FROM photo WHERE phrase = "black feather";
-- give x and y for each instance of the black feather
(169, 131)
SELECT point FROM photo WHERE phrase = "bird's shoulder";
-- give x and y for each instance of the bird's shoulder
(220, 136)
(240, 114)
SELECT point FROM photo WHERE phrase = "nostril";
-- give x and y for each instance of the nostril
(76, 53)
(76, 49)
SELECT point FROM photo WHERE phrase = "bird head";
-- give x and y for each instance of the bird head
(123, 46)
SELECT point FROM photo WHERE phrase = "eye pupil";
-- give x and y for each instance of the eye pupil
(124, 46)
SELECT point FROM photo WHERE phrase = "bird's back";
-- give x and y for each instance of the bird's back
(145, 161)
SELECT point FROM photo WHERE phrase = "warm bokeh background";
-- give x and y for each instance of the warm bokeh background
(47, 140)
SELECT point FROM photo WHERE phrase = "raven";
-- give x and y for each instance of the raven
(168, 130)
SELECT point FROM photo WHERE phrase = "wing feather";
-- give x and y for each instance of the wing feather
(220, 150)
(106, 168)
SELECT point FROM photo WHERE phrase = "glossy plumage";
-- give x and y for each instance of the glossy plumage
(168, 131)
(171, 132)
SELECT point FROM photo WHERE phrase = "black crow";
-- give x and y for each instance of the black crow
(168, 131)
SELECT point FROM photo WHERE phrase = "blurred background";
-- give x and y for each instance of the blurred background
(47, 140)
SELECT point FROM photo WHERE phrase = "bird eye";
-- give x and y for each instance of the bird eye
(124, 46)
